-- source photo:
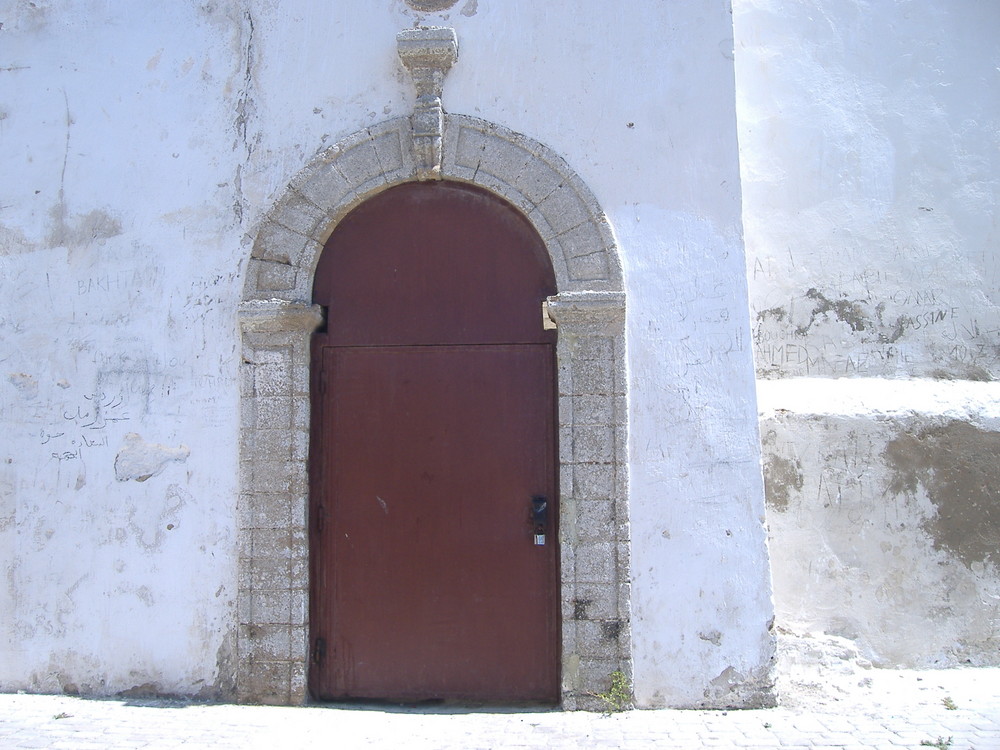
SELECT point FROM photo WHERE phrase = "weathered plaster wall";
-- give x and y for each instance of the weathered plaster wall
(120, 257)
(870, 152)
(884, 519)
(141, 147)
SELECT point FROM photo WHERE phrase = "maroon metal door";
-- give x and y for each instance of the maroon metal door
(433, 438)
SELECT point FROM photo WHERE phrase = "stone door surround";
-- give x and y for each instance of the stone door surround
(277, 320)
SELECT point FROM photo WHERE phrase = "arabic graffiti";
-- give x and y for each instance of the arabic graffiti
(98, 412)
(88, 422)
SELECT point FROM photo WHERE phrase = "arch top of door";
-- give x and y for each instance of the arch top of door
(434, 262)
(525, 173)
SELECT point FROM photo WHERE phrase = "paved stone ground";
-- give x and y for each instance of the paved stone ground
(839, 705)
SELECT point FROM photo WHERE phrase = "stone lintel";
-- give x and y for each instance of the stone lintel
(600, 311)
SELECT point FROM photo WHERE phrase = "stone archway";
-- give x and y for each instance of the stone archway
(277, 320)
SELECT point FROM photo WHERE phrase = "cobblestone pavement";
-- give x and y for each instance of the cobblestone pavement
(956, 709)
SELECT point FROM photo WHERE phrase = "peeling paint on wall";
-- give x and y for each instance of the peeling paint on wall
(140, 460)
(957, 466)
(885, 526)
(782, 476)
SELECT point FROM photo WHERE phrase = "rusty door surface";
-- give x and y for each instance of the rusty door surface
(433, 455)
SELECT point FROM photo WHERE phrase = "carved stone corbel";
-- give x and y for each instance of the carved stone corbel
(428, 53)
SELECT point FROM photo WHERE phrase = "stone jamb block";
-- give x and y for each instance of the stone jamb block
(270, 544)
(266, 511)
(593, 443)
(593, 481)
(596, 562)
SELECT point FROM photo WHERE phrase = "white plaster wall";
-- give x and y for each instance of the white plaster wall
(870, 137)
(870, 155)
(141, 144)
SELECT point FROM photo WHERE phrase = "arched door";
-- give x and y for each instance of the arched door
(433, 529)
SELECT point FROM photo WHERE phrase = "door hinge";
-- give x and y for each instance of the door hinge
(319, 650)
(320, 514)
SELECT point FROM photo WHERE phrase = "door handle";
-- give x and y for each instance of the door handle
(540, 518)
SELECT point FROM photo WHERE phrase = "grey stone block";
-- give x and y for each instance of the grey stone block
(595, 520)
(270, 544)
(564, 372)
(593, 377)
(299, 644)
(595, 602)
(297, 688)
(300, 384)
(299, 571)
(566, 482)
(389, 152)
(300, 214)
(599, 639)
(246, 474)
(593, 481)
(360, 165)
(595, 676)
(298, 546)
(565, 444)
(568, 632)
(274, 412)
(243, 607)
(593, 444)
(537, 181)
(566, 415)
(591, 348)
(300, 414)
(581, 240)
(504, 160)
(593, 409)
(272, 379)
(300, 445)
(564, 210)
(246, 383)
(470, 145)
(623, 555)
(298, 509)
(324, 186)
(266, 355)
(278, 244)
(270, 607)
(267, 511)
(267, 574)
(621, 445)
(298, 607)
(273, 277)
(265, 642)
(270, 444)
(591, 268)
(264, 682)
(595, 562)
(547, 232)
